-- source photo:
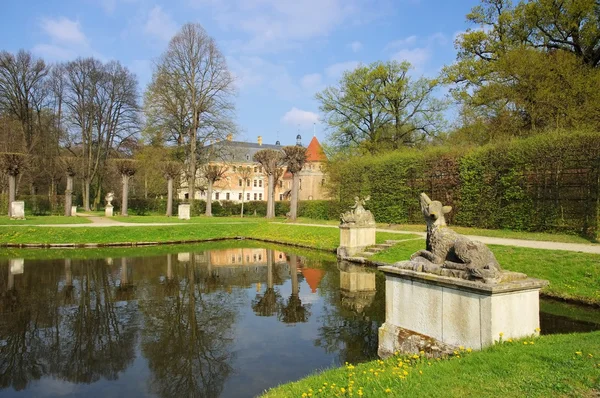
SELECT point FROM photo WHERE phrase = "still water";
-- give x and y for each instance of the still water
(208, 322)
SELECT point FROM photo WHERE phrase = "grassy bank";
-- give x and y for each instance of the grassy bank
(573, 276)
(548, 366)
(318, 238)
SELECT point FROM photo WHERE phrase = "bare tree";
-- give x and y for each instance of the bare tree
(70, 168)
(294, 158)
(102, 104)
(270, 160)
(191, 94)
(213, 173)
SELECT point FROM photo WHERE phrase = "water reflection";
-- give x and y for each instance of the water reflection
(227, 322)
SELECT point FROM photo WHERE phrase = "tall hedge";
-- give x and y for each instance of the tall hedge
(543, 183)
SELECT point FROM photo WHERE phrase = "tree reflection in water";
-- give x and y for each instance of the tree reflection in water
(90, 339)
(293, 311)
(267, 304)
(186, 337)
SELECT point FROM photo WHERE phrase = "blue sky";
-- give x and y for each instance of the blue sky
(281, 51)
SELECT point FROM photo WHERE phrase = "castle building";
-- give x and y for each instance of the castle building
(245, 178)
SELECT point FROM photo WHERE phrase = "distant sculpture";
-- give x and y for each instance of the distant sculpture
(358, 216)
(451, 254)
(109, 198)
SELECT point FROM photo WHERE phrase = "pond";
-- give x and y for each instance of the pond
(228, 319)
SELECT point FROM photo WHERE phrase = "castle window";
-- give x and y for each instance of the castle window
(280, 196)
(255, 169)
(227, 196)
(255, 183)
(216, 196)
(255, 196)
(323, 182)
(248, 196)
(240, 196)
(240, 182)
(260, 196)
(260, 183)
(248, 182)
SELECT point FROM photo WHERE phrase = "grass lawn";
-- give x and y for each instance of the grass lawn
(553, 366)
(318, 238)
(572, 275)
(498, 233)
(46, 220)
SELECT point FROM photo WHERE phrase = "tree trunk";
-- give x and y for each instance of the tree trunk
(270, 201)
(169, 267)
(294, 274)
(209, 199)
(192, 167)
(145, 186)
(294, 201)
(243, 193)
(68, 196)
(124, 195)
(12, 184)
(86, 194)
(270, 255)
(169, 196)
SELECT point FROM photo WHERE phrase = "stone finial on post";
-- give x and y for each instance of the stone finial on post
(357, 229)
(108, 210)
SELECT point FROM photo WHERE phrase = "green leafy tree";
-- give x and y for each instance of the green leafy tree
(381, 107)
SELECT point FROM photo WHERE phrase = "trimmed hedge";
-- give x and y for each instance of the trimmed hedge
(543, 183)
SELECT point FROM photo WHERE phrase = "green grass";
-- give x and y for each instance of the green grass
(318, 238)
(498, 233)
(572, 275)
(44, 220)
(554, 366)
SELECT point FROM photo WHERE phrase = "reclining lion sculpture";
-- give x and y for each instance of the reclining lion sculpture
(450, 254)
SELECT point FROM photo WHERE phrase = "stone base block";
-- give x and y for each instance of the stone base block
(108, 211)
(355, 239)
(17, 210)
(458, 312)
(183, 212)
(393, 339)
(73, 211)
(17, 265)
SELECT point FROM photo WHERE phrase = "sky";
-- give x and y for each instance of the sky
(281, 52)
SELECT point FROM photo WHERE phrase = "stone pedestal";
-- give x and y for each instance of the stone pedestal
(456, 312)
(355, 239)
(17, 210)
(108, 210)
(357, 286)
(183, 212)
(73, 211)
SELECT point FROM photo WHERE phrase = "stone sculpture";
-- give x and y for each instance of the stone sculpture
(109, 198)
(450, 254)
(358, 215)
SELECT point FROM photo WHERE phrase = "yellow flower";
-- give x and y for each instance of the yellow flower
(469, 350)
(538, 330)
(343, 390)
(578, 352)
(525, 343)
(501, 334)
(531, 342)
(388, 390)
(304, 395)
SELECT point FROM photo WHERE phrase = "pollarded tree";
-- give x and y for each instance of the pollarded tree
(245, 173)
(294, 158)
(12, 164)
(270, 160)
(191, 94)
(171, 170)
(212, 173)
(127, 168)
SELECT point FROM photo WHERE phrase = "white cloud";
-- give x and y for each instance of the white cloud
(406, 42)
(53, 52)
(355, 46)
(160, 25)
(253, 72)
(417, 57)
(64, 31)
(335, 71)
(297, 117)
(272, 25)
(311, 81)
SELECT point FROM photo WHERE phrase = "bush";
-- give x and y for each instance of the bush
(548, 182)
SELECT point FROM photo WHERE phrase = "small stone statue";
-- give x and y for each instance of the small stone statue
(451, 254)
(109, 198)
(358, 215)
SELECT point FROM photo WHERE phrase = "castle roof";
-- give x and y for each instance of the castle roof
(314, 152)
